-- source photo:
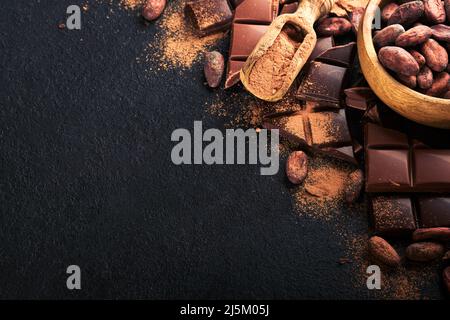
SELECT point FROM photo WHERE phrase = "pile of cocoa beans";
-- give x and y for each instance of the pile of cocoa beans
(415, 44)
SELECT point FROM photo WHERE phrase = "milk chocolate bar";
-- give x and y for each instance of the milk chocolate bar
(251, 21)
(209, 16)
(396, 164)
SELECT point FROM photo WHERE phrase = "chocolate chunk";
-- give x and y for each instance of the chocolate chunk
(322, 45)
(233, 73)
(209, 16)
(359, 97)
(323, 83)
(340, 55)
(434, 211)
(392, 215)
(323, 132)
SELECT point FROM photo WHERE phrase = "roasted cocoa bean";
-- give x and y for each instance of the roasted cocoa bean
(398, 60)
(388, 10)
(409, 81)
(435, 55)
(425, 78)
(420, 59)
(333, 27)
(407, 13)
(414, 36)
(439, 234)
(297, 167)
(388, 35)
(441, 32)
(214, 68)
(434, 11)
(383, 252)
(424, 251)
(441, 85)
(153, 9)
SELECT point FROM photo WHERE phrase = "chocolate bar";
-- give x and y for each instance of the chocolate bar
(209, 16)
(397, 215)
(359, 98)
(339, 55)
(251, 21)
(395, 163)
(318, 130)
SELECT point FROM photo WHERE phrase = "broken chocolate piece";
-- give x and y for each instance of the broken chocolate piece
(323, 83)
(209, 16)
(342, 56)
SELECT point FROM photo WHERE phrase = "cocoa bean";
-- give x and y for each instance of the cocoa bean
(414, 36)
(435, 55)
(420, 59)
(388, 35)
(153, 9)
(398, 60)
(439, 234)
(297, 167)
(407, 13)
(441, 32)
(409, 81)
(383, 252)
(425, 78)
(440, 85)
(354, 186)
(424, 251)
(214, 68)
(434, 11)
(333, 27)
(388, 10)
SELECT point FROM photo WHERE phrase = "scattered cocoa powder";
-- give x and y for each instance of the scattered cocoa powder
(176, 44)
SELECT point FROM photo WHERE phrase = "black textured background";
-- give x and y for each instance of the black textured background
(86, 178)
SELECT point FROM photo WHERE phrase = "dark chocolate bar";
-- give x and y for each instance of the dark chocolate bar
(251, 20)
(359, 98)
(397, 215)
(209, 16)
(340, 55)
(395, 163)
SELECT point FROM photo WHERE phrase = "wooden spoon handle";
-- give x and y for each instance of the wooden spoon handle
(312, 10)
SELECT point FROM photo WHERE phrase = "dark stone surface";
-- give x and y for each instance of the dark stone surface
(86, 178)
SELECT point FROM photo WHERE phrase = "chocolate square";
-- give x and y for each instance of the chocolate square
(256, 11)
(382, 138)
(432, 169)
(434, 211)
(393, 215)
(387, 170)
(244, 39)
(209, 16)
(322, 45)
(329, 129)
(340, 55)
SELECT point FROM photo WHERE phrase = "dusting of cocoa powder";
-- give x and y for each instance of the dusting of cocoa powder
(269, 72)
(176, 44)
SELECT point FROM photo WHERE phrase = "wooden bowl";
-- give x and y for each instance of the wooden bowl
(431, 111)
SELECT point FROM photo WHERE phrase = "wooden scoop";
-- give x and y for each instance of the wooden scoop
(303, 20)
